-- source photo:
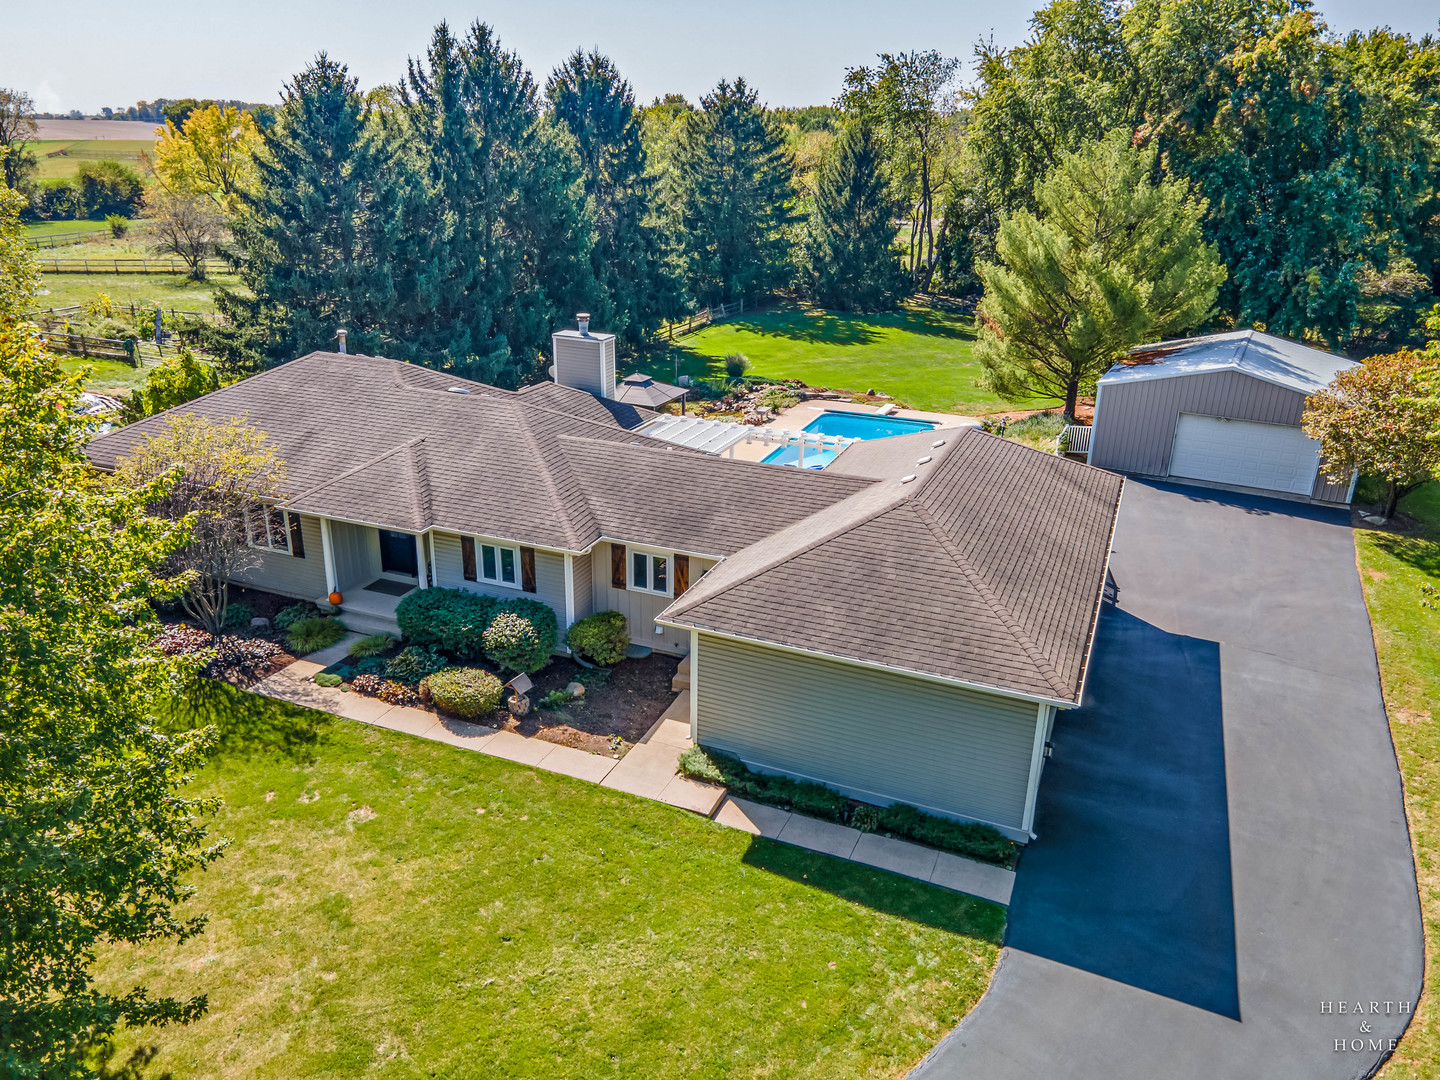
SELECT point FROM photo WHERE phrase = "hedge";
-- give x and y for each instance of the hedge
(452, 620)
(601, 637)
(979, 842)
(467, 693)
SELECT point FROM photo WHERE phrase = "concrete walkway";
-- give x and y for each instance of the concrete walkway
(647, 770)
(1223, 855)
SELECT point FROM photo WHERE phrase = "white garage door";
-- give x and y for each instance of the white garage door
(1269, 456)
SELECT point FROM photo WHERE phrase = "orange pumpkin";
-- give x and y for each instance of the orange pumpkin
(335, 599)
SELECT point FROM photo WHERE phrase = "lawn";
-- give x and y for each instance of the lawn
(52, 228)
(396, 907)
(1393, 567)
(919, 355)
(63, 164)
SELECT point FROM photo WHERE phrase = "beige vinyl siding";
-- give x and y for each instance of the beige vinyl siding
(585, 363)
(877, 736)
(281, 573)
(584, 586)
(357, 555)
(549, 574)
(640, 608)
(1135, 422)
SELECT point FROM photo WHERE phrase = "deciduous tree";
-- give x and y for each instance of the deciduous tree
(17, 130)
(178, 379)
(211, 153)
(97, 834)
(222, 479)
(188, 226)
(1113, 259)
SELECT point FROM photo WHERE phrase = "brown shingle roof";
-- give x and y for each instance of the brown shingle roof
(987, 570)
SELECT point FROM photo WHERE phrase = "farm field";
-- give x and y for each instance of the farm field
(401, 908)
(37, 229)
(59, 158)
(919, 355)
(1394, 568)
(168, 290)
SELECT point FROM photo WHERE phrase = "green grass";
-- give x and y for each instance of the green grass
(108, 376)
(1393, 567)
(52, 228)
(919, 355)
(127, 151)
(392, 907)
(169, 290)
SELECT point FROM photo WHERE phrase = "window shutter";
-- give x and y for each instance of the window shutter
(527, 569)
(467, 557)
(617, 566)
(297, 537)
(682, 573)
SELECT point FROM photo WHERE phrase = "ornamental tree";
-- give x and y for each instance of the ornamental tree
(1382, 418)
(96, 833)
(222, 476)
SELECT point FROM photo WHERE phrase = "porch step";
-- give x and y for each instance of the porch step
(681, 680)
(364, 623)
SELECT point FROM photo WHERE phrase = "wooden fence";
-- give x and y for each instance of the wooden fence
(69, 239)
(98, 348)
(128, 266)
(167, 315)
(701, 319)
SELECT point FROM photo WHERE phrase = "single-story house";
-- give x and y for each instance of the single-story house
(1223, 409)
(902, 626)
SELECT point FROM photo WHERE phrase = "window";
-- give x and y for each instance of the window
(650, 572)
(498, 565)
(273, 529)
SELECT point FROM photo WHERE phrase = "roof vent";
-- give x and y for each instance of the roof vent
(582, 320)
(924, 460)
(937, 444)
(907, 479)
(340, 336)
(456, 390)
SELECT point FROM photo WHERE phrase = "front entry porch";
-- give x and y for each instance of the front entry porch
(372, 569)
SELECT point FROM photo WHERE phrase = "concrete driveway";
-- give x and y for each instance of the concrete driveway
(1222, 856)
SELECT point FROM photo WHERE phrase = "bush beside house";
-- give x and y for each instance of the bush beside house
(600, 638)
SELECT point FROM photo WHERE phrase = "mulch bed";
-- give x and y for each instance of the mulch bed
(614, 715)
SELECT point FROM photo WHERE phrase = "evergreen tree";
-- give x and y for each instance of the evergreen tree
(848, 258)
(319, 231)
(596, 106)
(1112, 260)
(731, 197)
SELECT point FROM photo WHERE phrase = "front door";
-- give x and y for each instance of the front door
(397, 553)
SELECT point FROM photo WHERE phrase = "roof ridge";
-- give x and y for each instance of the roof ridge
(420, 484)
(543, 467)
(982, 587)
(764, 566)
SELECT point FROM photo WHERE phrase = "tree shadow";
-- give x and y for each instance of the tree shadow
(1420, 549)
(103, 1059)
(249, 725)
(1130, 877)
(880, 890)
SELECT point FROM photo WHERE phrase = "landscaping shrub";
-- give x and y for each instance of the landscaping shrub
(600, 638)
(287, 617)
(328, 679)
(414, 663)
(804, 798)
(179, 639)
(467, 693)
(452, 620)
(976, 841)
(365, 684)
(237, 614)
(119, 225)
(736, 365)
(308, 635)
(397, 693)
(522, 635)
(559, 699)
(371, 665)
(374, 645)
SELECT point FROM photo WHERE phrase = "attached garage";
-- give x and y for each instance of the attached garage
(1224, 410)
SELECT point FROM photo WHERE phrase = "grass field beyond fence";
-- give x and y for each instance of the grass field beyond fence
(919, 355)
(59, 158)
(392, 907)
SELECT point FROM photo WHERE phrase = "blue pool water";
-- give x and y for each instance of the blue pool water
(851, 426)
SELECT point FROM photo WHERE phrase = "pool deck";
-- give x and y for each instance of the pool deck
(797, 416)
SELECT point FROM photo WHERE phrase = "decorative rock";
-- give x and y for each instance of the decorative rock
(575, 689)
(259, 623)
(1372, 519)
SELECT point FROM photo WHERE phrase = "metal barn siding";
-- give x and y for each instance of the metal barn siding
(640, 608)
(282, 573)
(877, 736)
(549, 575)
(1135, 422)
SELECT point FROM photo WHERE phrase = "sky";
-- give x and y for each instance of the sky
(794, 52)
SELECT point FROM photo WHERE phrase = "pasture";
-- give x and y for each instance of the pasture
(57, 159)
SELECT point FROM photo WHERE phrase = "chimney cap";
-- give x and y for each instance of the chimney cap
(582, 320)
(340, 335)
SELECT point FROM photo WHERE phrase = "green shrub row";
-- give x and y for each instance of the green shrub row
(600, 638)
(467, 693)
(456, 622)
(979, 842)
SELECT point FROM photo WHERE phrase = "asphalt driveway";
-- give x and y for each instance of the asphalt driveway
(1222, 845)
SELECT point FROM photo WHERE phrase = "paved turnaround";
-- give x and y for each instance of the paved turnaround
(1222, 856)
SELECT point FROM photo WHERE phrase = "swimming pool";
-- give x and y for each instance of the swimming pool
(849, 425)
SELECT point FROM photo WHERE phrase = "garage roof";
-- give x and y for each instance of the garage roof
(1262, 356)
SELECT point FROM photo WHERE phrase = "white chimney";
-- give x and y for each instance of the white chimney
(340, 335)
(584, 360)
